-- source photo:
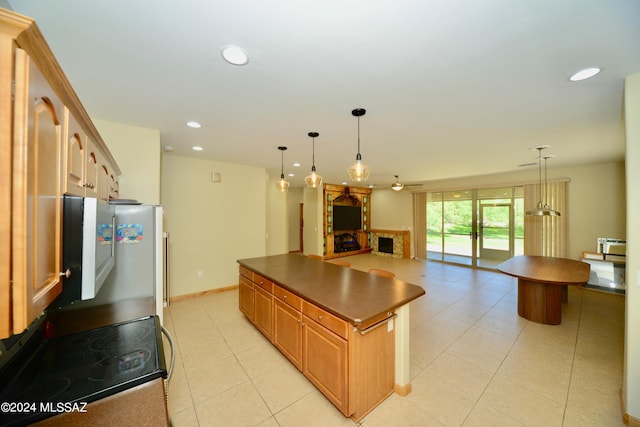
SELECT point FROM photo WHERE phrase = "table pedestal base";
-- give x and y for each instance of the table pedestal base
(540, 302)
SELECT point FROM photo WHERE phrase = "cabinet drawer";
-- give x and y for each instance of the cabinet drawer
(246, 273)
(291, 299)
(265, 284)
(326, 319)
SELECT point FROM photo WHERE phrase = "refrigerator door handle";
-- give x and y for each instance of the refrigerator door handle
(167, 288)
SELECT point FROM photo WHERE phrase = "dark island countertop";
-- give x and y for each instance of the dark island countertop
(352, 295)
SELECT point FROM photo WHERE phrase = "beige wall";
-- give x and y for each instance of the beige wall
(211, 224)
(392, 210)
(597, 205)
(631, 386)
(277, 218)
(294, 198)
(312, 233)
(137, 151)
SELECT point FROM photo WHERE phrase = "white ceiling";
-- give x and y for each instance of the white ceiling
(452, 87)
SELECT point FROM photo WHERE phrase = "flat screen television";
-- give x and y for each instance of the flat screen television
(347, 218)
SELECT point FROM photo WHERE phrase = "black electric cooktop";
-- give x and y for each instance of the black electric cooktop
(66, 372)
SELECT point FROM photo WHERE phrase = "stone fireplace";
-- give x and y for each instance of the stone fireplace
(391, 243)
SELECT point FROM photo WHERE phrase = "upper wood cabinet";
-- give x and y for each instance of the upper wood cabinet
(36, 194)
(46, 138)
(75, 157)
(87, 170)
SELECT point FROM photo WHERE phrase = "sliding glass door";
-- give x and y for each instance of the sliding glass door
(475, 227)
(450, 226)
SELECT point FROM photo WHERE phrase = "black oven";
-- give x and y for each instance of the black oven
(73, 370)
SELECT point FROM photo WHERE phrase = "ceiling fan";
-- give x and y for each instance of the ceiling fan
(397, 186)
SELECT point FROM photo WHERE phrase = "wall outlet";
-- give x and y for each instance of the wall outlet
(200, 274)
(216, 177)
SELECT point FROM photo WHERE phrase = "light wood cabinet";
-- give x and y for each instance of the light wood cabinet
(246, 295)
(75, 157)
(6, 107)
(325, 363)
(287, 331)
(263, 314)
(44, 133)
(354, 368)
(87, 170)
(36, 202)
(98, 182)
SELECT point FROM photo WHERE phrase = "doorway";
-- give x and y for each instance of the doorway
(494, 239)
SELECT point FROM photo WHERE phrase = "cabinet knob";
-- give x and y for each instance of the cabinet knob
(66, 274)
(319, 317)
(284, 297)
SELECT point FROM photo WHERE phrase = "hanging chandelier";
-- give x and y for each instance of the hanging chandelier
(359, 172)
(542, 209)
(313, 180)
(282, 185)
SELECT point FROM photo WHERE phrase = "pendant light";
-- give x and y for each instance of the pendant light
(359, 172)
(542, 209)
(282, 185)
(313, 180)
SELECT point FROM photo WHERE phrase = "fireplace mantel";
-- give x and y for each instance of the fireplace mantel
(401, 242)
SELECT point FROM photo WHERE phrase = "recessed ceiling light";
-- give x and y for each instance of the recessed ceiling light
(234, 55)
(167, 148)
(197, 148)
(584, 74)
(194, 125)
(291, 174)
(297, 165)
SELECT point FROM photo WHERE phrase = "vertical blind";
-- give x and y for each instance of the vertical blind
(420, 225)
(546, 235)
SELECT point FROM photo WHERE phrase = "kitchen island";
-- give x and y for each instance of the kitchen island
(346, 330)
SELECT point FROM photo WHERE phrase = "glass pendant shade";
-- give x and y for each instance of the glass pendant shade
(358, 172)
(313, 180)
(282, 185)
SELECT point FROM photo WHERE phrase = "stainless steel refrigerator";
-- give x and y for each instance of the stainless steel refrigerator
(140, 258)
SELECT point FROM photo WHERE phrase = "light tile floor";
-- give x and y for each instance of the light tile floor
(474, 361)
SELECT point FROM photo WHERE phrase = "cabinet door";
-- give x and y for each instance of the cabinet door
(246, 298)
(287, 331)
(264, 311)
(114, 187)
(91, 171)
(6, 103)
(325, 363)
(37, 208)
(104, 183)
(98, 173)
(75, 158)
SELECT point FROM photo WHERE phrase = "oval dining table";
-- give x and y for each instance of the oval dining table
(541, 283)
